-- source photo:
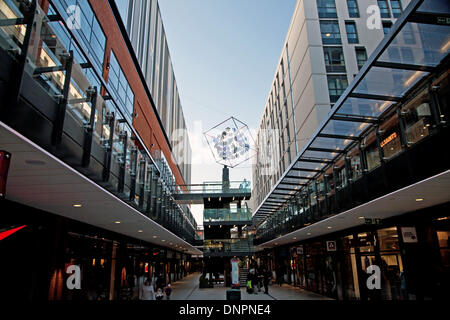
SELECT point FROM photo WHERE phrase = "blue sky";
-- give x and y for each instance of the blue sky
(224, 54)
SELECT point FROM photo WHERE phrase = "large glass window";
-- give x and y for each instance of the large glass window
(334, 59)
(396, 8)
(120, 88)
(384, 8)
(326, 8)
(387, 25)
(355, 163)
(417, 117)
(330, 32)
(352, 34)
(390, 141)
(371, 151)
(89, 30)
(361, 57)
(353, 10)
(336, 86)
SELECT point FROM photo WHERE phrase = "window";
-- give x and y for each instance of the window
(417, 118)
(361, 57)
(390, 142)
(334, 59)
(120, 89)
(396, 8)
(384, 9)
(330, 32)
(336, 86)
(371, 151)
(353, 10)
(387, 25)
(352, 34)
(90, 33)
(326, 8)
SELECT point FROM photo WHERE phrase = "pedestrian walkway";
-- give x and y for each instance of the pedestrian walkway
(187, 289)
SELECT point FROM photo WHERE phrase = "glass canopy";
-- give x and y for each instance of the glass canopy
(415, 46)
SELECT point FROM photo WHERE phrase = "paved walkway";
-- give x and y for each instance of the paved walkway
(187, 289)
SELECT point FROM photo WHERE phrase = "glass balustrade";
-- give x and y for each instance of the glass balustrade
(225, 215)
(228, 246)
(52, 56)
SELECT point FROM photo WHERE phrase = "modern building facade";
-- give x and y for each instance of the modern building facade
(87, 169)
(142, 20)
(369, 188)
(327, 43)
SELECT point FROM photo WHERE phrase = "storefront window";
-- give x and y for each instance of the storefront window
(388, 239)
(417, 117)
(390, 138)
(371, 151)
(443, 235)
(444, 96)
(341, 173)
(355, 163)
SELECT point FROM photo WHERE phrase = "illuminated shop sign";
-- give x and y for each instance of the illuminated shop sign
(388, 139)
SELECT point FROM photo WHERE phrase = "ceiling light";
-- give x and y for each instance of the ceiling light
(309, 233)
(419, 199)
(328, 227)
(163, 240)
(77, 205)
(361, 218)
(117, 222)
(154, 237)
(140, 231)
(295, 238)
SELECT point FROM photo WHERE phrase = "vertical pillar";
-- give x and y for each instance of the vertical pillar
(113, 271)
(5, 160)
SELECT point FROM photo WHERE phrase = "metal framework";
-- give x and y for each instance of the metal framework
(369, 97)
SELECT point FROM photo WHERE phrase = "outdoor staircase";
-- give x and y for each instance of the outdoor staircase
(243, 272)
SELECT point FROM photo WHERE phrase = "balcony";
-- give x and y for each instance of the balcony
(228, 247)
(227, 216)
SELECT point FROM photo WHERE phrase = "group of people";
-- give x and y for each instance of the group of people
(257, 279)
(158, 283)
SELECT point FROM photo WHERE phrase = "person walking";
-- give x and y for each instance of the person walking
(168, 291)
(159, 294)
(160, 282)
(267, 276)
(147, 291)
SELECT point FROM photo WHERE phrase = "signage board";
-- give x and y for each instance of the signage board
(331, 246)
(235, 273)
(409, 234)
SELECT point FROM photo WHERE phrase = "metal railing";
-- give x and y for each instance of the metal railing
(228, 246)
(225, 215)
(218, 187)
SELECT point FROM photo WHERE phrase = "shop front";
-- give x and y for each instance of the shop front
(48, 257)
(411, 253)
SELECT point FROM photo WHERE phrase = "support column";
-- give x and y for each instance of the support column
(5, 160)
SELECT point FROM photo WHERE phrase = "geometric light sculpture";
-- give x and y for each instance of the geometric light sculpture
(230, 142)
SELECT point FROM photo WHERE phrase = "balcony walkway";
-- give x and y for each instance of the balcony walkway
(187, 289)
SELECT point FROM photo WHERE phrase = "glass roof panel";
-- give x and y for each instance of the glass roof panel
(319, 154)
(419, 44)
(309, 165)
(364, 107)
(294, 182)
(388, 82)
(441, 6)
(302, 173)
(327, 143)
(345, 128)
